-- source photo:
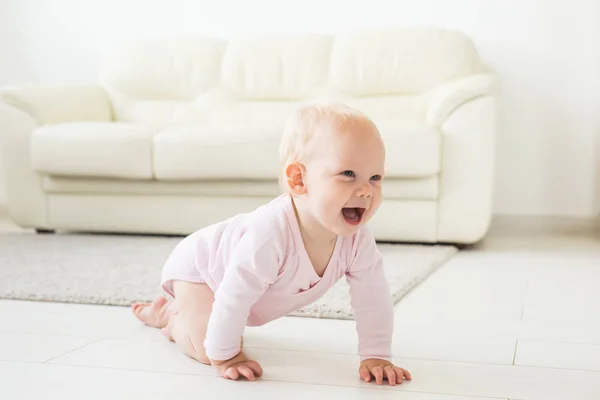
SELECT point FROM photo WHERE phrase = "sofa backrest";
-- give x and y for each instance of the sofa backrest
(212, 81)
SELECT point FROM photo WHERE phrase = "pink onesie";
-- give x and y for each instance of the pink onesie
(258, 268)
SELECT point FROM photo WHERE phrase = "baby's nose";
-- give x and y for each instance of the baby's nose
(365, 191)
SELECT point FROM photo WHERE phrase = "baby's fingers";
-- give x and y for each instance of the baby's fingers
(400, 372)
(246, 371)
(378, 374)
(255, 367)
(391, 376)
(231, 373)
(365, 374)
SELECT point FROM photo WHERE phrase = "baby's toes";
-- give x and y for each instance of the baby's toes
(158, 304)
(137, 308)
(144, 314)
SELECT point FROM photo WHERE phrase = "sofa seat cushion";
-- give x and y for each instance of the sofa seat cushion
(240, 152)
(413, 151)
(102, 149)
(401, 189)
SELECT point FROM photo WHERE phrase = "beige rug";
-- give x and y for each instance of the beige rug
(121, 269)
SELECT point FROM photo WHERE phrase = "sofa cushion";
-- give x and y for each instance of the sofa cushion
(164, 69)
(184, 80)
(216, 153)
(117, 150)
(405, 61)
(274, 67)
(248, 152)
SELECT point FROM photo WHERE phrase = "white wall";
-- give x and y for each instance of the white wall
(543, 51)
(2, 184)
(597, 113)
(9, 36)
(597, 178)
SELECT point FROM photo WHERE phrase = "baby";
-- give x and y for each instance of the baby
(253, 268)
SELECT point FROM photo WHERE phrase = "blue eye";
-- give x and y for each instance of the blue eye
(349, 174)
(376, 177)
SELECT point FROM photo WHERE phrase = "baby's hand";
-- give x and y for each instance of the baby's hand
(238, 366)
(382, 369)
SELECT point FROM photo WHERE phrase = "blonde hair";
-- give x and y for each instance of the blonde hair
(308, 120)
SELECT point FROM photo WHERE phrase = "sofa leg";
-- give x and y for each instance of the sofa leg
(44, 231)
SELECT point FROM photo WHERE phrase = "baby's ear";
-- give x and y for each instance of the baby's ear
(294, 174)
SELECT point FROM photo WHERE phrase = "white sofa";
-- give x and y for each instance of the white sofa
(179, 133)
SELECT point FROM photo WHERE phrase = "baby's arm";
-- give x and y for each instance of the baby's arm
(373, 309)
(374, 313)
(253, 267)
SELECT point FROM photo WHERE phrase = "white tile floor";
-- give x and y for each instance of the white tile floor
(516, 317)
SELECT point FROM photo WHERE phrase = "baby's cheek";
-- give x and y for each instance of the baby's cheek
(375, 203)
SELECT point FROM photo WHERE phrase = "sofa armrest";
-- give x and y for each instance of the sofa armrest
(446, 98)
(26, 201)
(53, 104)
(467, 171)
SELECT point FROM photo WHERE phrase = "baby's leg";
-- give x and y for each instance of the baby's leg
(180, 266)
(187, 326)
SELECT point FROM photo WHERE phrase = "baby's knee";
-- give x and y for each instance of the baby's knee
(192, 348)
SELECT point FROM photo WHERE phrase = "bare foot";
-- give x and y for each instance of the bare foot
(155, 314)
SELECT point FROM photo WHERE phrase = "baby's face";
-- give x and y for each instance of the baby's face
(343, 178)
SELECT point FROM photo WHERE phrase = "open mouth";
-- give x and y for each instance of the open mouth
(353, 215)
